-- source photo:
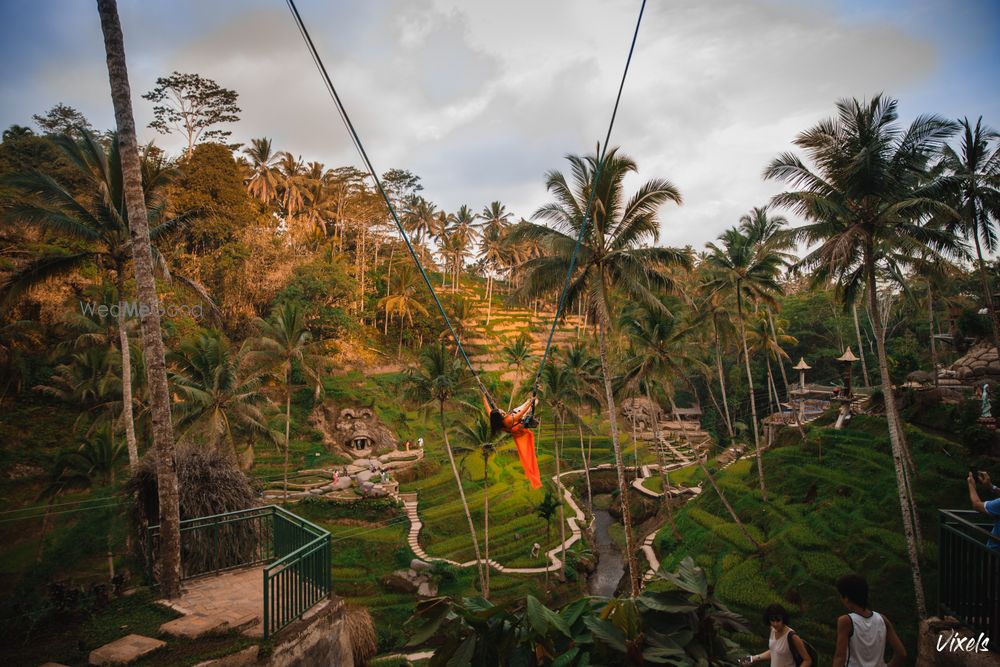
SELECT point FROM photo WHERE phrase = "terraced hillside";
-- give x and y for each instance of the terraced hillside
(489, 329)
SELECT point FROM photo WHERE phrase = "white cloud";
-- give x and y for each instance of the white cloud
(482, 98)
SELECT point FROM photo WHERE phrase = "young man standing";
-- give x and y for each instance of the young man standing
(862, 633)
(989, 507)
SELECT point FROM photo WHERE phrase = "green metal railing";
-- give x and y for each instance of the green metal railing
(969, 579)
(295, 554)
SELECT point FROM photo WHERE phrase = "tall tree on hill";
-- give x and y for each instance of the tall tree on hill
(99, 223)
(584, 370)
(436, 381)
(659, 353)
(221, 398)
(282, 344)
(479, 438)
(517, 354)
(749, 272)
(461, 232)
(192, 106)
(63, 119)
(152, 337)
(613, 260)
(491, 247)
(264, 178)
(403, 302)
(864, 198)
(975, 179)
(558, 391)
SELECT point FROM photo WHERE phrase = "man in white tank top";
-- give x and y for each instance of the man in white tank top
(862, 633)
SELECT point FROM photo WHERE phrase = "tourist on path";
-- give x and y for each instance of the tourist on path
(862, 633)
(990, 507)
(783, 645)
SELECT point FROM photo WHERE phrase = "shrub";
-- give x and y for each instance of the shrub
(979, 439)
(744, 585)
(824, 565)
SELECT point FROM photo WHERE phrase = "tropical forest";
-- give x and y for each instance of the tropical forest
(261, 409)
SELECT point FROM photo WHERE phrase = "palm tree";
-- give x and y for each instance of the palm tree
(491, 249)
(264, 178)
(612, 259)
(419, 218)
(90, 381)
(16, 339)
(714, 308)
(584, 370)
(282, 343)
(546, 510)
(291, 192)
(479, 438)
(403, 302)
(864, 198)
(221, 398)
(152, 335)
(660, 351)
(748, 270)
(975, 176)
(462, 233)
(559, 393)
(438, 378)
(99, 228)
(517, 355)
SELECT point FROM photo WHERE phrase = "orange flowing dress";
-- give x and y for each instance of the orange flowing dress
(525, 441)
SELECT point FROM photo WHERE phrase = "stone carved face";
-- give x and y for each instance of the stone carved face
(355, 428)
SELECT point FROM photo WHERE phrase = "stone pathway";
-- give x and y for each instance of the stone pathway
(575, 521)
(125, 651)
(228, 601)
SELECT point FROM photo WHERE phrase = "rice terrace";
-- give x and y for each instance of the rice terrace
(534, 334)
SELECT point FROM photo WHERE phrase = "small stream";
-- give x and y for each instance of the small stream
(610, 563)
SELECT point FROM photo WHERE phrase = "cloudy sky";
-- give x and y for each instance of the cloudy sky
(481, 98)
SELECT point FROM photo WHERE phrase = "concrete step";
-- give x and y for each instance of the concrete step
(125, 651)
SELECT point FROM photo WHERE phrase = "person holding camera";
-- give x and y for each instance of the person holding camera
(784, 647)
(991, 507)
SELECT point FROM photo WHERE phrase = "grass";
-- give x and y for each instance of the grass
(852, 525)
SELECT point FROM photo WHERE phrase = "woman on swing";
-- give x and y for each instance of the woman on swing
(513, 422)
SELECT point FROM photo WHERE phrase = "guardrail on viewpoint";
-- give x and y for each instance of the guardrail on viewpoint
(969, 578)
(295, 554)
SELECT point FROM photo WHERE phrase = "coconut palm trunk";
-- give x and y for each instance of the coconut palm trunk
(557, 445)
(753, 400)
(722, 379)
(127, 417)
(288, 424)
(156, 372)
(465, 504)
(633, 566)
(861, 345)
(586, 467)
(987, 291)
(896, 437)
(930, 331)
(662, 463)
(486, 522)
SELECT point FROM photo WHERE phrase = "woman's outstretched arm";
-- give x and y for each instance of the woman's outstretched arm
(521, 410)
(486, 404)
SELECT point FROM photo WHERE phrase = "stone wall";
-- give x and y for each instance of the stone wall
(981, 363)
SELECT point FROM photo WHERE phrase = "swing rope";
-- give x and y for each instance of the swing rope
(378, 182)
(586, 217)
